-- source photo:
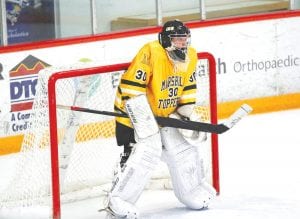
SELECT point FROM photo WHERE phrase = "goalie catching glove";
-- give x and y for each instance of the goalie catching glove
(189, 112)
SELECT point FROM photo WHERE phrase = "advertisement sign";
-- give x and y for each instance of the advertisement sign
(23, 81)
(20, 87)
(29, 20)
(255, 59)
(1, 69)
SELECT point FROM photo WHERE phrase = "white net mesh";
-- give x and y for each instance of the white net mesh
(87, 146)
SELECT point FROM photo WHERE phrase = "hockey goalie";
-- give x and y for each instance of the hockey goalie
(159, 82)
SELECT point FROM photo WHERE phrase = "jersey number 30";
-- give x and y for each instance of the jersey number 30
(141, 75)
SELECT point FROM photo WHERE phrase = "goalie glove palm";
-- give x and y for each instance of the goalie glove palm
(189, 112)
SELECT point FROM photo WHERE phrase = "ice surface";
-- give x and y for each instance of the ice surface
(259, 174)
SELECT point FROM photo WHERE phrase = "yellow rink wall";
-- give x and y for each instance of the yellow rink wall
(261, 105)
(12, 144)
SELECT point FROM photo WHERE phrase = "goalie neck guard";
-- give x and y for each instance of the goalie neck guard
(175, 37)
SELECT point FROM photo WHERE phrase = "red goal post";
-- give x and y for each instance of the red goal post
(54, 138)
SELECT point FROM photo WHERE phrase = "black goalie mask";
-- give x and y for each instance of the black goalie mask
(175, 37)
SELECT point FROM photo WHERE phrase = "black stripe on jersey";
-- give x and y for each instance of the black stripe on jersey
(182, 104)
(190, 87)
(133, 83)
(125, 97)
(119, 110)
(119, 90)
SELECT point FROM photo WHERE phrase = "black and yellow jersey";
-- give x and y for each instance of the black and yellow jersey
(152, 73)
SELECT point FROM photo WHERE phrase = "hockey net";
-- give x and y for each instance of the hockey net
(72, 155)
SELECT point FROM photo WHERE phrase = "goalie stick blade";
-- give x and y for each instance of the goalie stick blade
(241, 112)
(207, 127)
(191, 125)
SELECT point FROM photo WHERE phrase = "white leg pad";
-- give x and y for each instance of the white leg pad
(186, 169)
(135, 174)
(121, 208)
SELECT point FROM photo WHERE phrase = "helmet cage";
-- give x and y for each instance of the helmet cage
(174, 45)
(172, 30)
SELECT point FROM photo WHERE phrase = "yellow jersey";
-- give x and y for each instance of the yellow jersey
(152, 73)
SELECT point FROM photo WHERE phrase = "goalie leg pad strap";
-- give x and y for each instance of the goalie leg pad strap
(186, 169)
(135, 174)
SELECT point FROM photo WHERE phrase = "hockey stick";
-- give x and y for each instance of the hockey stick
(241, 112)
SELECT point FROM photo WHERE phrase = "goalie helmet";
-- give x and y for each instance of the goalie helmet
(175, 37)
